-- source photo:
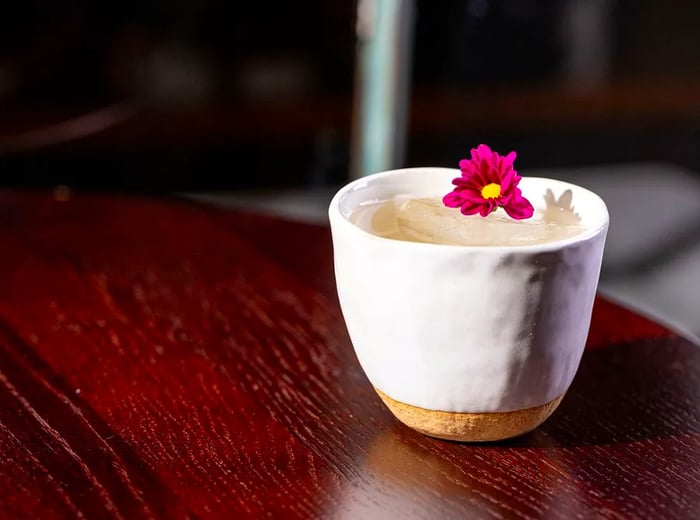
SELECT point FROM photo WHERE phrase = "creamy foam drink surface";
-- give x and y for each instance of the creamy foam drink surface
(428, 220)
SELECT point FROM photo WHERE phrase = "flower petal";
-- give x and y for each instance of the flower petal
(464, 164)
(494, 174)
(482, 152)
(471, 170)
(508, 181)
(508, 160)
(519, 208)
(452, 200)
(488, 207)
(485, 177)
(469, 208)
(469, 193)
(467, 183)
(514, 194)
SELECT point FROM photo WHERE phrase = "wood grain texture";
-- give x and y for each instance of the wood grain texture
(164, 360)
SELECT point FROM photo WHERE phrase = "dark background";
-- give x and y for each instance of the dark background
(215, 94)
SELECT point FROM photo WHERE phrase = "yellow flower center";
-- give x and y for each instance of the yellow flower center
(491, 191)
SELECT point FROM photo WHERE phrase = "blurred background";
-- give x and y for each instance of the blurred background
(250, 104)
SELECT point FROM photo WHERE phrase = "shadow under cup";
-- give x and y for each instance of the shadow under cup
(471, 343)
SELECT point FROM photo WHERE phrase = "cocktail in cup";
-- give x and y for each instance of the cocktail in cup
(469, 328)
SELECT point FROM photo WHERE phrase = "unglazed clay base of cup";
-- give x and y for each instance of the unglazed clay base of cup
(470, 427)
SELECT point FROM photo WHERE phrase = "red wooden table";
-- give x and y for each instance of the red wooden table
(162, 359)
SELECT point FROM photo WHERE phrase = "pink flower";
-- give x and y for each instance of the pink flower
(488, 181)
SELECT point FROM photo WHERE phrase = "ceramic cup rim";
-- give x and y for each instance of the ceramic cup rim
(336, 216)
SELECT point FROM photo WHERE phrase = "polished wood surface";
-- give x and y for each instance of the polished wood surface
(160, 359)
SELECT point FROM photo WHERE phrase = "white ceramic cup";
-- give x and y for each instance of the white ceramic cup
(466, 329)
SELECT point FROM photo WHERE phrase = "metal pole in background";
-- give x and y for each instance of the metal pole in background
(382, 81)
